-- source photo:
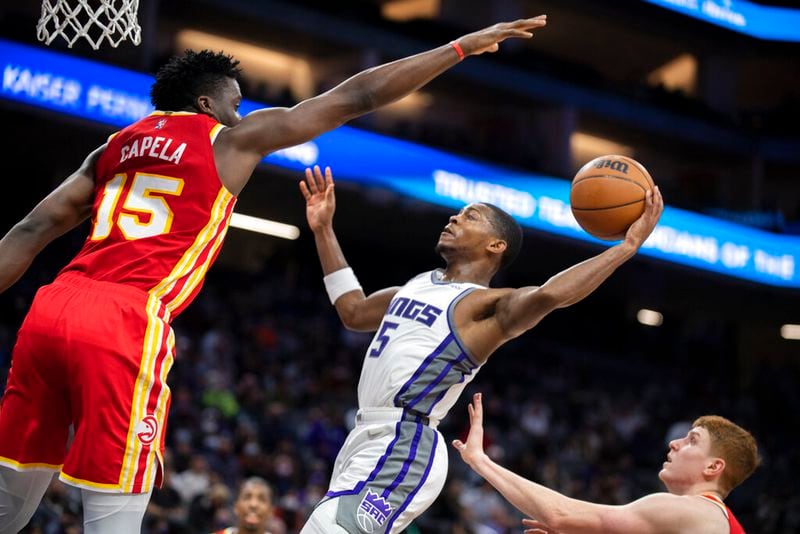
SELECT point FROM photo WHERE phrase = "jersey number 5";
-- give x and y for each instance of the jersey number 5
(144, 212)
(382, 338)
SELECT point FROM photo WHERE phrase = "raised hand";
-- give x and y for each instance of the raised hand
(641, 229)
(472, 450)
(320, 198)
(489, 39)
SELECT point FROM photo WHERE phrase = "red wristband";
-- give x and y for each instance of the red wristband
(457, 48)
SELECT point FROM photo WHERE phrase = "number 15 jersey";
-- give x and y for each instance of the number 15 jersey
(160, 210)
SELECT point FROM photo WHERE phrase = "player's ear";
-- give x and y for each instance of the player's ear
(714, 467)
(203, 104)
(497, 246)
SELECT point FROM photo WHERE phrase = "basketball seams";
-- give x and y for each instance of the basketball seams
(596, 176)
(609, 207)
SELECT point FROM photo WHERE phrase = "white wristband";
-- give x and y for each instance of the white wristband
(340, 282)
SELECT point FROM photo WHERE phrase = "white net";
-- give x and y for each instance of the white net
(95, 20)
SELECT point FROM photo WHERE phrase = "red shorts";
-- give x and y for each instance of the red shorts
(94, 355)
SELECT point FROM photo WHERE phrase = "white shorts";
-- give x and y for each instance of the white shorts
(386, 474)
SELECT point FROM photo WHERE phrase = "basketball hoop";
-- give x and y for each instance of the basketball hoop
(111, 20)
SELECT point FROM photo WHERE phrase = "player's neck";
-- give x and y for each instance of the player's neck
(703, 488)
(470, 273)
(713, 493)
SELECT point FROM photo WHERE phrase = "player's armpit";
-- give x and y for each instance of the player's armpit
(266, 130)
(522, 309)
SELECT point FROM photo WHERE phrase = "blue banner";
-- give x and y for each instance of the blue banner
(763, 22)
(114, 96)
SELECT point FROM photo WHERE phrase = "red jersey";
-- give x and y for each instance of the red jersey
(160, 211)
(736, 528)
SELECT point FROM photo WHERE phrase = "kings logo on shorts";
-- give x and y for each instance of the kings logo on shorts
(373, 511)
(147, 429)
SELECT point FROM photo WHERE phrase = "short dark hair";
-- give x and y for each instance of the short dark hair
(508, 230)
(184, 78)
(255, 481)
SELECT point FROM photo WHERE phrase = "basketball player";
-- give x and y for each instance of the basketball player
(700, 471)
(253, 509)
(433, 335)
(96, 346)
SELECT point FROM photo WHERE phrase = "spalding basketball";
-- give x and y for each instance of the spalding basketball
(608, 195)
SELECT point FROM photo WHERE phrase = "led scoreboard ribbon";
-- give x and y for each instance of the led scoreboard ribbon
(764, 22)
(117, 97)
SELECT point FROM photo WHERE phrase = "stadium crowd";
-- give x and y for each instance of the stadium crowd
(264, 384)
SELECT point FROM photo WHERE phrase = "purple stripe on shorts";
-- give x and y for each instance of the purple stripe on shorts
(412, 453)
(375, 471)
(421, 483)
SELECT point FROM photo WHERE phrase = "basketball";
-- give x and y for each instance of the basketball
(608, 194)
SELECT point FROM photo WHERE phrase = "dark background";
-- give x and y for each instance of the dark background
(729, 146)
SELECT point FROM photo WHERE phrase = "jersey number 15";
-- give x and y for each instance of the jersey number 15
(145, 212)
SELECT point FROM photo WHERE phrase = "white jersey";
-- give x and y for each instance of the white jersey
(416, 360)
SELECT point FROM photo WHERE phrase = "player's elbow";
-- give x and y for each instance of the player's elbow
(350, 314)
(350, 322)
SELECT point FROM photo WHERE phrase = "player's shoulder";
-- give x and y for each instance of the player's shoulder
(690, 513)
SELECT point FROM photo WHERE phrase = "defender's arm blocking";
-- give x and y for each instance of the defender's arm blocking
(265, 131)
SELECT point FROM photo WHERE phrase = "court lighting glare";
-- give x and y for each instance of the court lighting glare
(265, 226)
(790, 331)
(586, 147)
(273, 67)
(677, 74)
(649, 317)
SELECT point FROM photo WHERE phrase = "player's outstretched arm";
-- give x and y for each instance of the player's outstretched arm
(267, 130)
(556, 513)
(63, 209)
(357, 311)
(522, 309)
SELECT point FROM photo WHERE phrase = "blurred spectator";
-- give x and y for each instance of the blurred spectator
(276, 405)
(210, 511)
(193, 481)
(254, 510)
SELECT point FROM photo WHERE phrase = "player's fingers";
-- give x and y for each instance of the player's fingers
(328, 176)
(530, 522)
(319, 178)
(458, 444)
(478, 400)
(539, 20)
(535, 524)
(312, 182)
(304, 190)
